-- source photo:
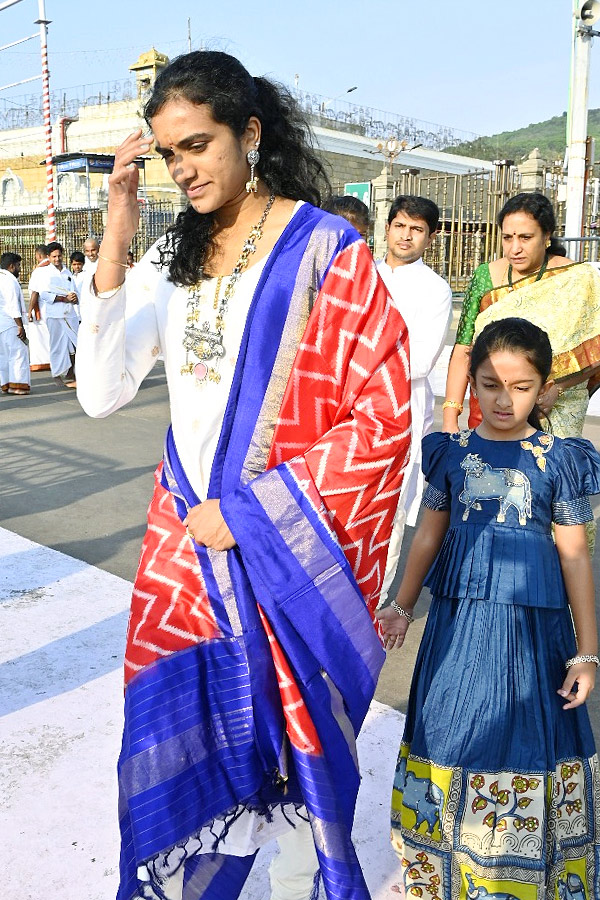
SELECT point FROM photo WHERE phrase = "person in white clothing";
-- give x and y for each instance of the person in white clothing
(76, 265)
(14, 356)
(425, 301)
(91, 249)
(37, 331)
(58, 298)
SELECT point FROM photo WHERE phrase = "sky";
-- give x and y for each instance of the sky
(475, 65)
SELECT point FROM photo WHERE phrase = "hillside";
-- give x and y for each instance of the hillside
(548, 136)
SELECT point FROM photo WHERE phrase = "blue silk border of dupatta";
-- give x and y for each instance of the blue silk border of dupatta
(204, 727)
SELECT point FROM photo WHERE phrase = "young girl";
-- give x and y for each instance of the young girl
(497, 793)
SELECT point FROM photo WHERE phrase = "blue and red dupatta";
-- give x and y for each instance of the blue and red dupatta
(249, 672)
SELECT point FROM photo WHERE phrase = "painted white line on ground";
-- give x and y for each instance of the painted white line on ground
(63, 625)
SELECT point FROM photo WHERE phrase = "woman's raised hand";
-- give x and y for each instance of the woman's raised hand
(123, 209)
(123, 213)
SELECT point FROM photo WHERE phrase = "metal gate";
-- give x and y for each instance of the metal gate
(469, 206)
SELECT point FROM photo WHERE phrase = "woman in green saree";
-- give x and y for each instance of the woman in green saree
(534, 281)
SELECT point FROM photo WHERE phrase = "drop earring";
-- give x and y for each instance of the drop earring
(253, 157)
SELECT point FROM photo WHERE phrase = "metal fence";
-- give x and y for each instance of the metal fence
(469, 206)
(27, 110)
(339, 113)
(21, 233)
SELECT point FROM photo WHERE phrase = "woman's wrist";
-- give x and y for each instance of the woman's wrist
(406, 604)
(116, 250)
(583, 658)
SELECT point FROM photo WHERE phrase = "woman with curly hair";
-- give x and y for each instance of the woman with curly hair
(251, 653)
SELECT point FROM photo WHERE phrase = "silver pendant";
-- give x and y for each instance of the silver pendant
(206, 345)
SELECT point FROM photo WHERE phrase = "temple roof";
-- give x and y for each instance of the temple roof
(151, 59)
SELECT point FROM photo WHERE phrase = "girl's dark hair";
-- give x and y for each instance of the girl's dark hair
(288, 164)
(539, 207)
(516, 336)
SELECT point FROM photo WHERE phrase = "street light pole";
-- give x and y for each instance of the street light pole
(43, 22)
(326, 103)
(584, 15)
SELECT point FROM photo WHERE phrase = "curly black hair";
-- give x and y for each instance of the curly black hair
(288, 164)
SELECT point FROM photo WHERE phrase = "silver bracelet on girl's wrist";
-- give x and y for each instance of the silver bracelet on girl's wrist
(582, 659)
(402, 612)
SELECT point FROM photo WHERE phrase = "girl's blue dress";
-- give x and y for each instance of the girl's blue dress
(497, 790)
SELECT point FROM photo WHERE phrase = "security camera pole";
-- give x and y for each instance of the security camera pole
(585, 14)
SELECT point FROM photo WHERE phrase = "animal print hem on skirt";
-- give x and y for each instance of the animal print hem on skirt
(470, 834)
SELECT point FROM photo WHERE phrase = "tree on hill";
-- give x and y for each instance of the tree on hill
(548, 136)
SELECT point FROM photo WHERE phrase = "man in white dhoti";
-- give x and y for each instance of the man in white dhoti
(14, 356)
(37, 331)
(58, 299)
(425, 301)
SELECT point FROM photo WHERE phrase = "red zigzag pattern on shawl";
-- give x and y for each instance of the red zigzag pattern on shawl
(340, 384)
(170, 609)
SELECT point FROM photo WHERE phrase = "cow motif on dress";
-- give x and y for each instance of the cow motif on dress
(509, 486)
(475, 892)
(421, 795)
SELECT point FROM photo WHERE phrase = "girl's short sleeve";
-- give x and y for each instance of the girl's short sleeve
(577, 477)
(435, 466)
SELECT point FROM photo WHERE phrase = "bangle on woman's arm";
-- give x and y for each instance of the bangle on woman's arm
(584, 658)
(115, 262)
(402, 612)
(452, 404)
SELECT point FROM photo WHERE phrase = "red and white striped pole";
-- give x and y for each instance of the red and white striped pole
(43, 22)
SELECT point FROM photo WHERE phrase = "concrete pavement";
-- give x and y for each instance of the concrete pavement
(73, 498)
(80, 487)
(63, 625)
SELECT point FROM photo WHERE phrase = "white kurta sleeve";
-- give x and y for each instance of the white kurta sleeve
(10, 296)
(118, 343)
(428, 328)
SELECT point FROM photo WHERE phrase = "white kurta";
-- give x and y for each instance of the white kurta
(61, 318)
(90, 267)
(122, 335)
(425, 302)
(14, 356)
(37, 331)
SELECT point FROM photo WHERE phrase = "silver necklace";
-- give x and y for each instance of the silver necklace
(204, 342)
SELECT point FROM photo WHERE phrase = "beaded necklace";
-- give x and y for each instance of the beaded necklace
(204, 342)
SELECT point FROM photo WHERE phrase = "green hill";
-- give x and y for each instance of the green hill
(548, 136)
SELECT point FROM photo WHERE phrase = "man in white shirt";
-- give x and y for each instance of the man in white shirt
(58, 299)
(37, 331)
(76, 265)
(91, 249)
(14, 356)
(425, 301)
